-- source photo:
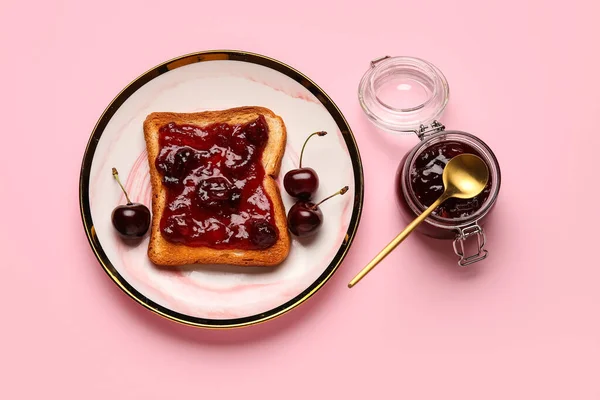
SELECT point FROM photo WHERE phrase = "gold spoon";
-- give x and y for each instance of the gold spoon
(464, 177)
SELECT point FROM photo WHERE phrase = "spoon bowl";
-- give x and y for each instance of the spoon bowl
(464, 177)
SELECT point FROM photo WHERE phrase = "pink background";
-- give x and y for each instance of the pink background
(524, 324)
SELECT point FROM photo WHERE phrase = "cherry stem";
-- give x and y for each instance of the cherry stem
(342, 191)
(320, 133)
(116, 176)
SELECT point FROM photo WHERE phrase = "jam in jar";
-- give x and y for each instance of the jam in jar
(419, 183)
(406, 95)
(426, 180)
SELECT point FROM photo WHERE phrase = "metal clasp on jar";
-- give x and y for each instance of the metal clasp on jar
(459, 245)
(425, 130)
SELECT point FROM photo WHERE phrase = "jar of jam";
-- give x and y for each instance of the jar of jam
(407, 95)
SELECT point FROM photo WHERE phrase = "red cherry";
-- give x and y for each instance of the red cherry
(257, 131)
(263, 234)
(219, 195)
(302, 183)
(175, 170)
(305, 218)
(131, 220)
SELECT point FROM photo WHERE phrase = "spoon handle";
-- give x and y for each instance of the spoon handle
(397, 240)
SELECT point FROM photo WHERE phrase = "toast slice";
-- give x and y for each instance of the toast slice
(167, 253)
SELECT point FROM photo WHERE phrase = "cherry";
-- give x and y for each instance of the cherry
(263, 234)
(305, 217)
(218, 194)
(256, 131)
(302, 182)
(212, 192)
(176, 170)
(213, 189)
(177, 226)
(131, 220)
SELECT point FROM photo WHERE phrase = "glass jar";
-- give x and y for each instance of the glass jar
(407, 95)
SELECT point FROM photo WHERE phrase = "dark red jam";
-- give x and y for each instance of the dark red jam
(213, 176)
(427, 185)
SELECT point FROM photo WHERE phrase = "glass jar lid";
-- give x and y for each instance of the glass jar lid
(403, 94)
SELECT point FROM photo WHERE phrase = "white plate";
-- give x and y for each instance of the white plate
(221, 296)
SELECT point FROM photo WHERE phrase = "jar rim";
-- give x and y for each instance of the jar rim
(485, 152)
(412, 77)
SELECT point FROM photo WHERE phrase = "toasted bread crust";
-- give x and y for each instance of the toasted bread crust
(163, 252)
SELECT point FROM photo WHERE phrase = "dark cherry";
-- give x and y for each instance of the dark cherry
(175, 169)
(263, 234)
(131, 220)
(305, 218)
(302, 182)
(177, 226)
(213, 189)
(218, 194)
(256, 131)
